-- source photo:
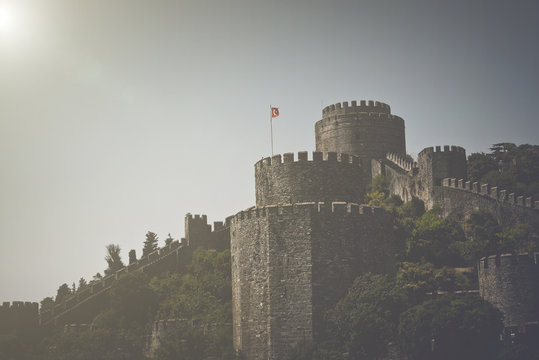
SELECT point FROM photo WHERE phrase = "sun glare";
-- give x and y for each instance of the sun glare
(8, 19)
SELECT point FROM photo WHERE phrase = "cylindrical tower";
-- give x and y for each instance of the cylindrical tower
(509, 282)
(327, 177)
(367, 130)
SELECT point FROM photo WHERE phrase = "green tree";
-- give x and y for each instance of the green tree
(450, 327)
(132, 256)
(416, 280)
(377, 191)
(203, 293)
(46, 304)
(365, 320)
(510, 167)
(82, 284)
(481, 230)
(480, 164)
(113, 259)
(436, 240)
(62, 293)
(150, 244)
(132, 302)
(518, 238)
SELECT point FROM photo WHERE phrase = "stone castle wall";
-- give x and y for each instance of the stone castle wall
(459, 198)
(327, 177)
(510, 282)
(86, 304)
(18, 316)
(401, 180)
(291, 263)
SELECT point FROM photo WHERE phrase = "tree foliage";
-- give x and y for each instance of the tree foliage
(507, 166)
(377, 191)
(150, 244)
(436, 240)
(132, 256)
(62, 293)
(113, 259)
(364, 321)
(450, 327)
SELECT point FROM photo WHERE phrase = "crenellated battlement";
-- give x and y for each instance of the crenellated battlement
(439, 149)
(96, 288)
(401, 161)
(19, 306)
(366, 129)
(18, 315)
(504, 260)
(491, 192)
(336, 207)
(328, 176)
(302, 157)
(364, 106)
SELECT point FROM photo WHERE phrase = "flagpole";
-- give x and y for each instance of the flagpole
(271, 130)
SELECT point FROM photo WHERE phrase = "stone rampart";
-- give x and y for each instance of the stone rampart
(401, 161)
(326, 177)
(400, 180)
(76, 308)
(491, 192)
(291, 263)
(458, 198)
(84, 305)
(18, 316)
(510, 282)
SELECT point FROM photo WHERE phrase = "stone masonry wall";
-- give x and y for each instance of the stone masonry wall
(84, 305)
(327, 177)
(400, 181)
(271, 280)
(510, 282)
(434, 165)
(347, 240)
(459, 198)
(18, 316)
(292, 263)
(366, 130)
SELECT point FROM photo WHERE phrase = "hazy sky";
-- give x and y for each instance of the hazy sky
(120, 116)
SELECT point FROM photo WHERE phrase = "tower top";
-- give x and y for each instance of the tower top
(364, 106)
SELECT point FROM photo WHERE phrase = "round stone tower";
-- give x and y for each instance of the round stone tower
(367, 130)
(327, 177)
(509, 282)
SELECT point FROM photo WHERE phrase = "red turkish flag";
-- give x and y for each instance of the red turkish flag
(274, 112)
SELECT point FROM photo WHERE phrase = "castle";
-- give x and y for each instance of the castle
(297, 251)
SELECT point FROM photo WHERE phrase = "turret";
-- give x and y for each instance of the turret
(367, 130)
(435, 164)
(326, 177)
